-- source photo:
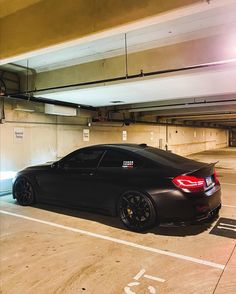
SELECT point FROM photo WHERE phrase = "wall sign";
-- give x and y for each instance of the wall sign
(18, 134)
(124, 135)
(151, 136)
(86, 135)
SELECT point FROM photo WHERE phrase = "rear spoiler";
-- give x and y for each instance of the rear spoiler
(204, 171)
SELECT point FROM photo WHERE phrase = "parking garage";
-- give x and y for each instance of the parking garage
(83, 73)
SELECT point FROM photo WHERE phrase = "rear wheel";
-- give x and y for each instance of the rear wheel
(23, 191)
(136, 211)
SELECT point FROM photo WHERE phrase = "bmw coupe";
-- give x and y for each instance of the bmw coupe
(144, 186)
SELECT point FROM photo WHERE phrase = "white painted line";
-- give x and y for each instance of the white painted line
(155, 278)
(225, 228)
(133, 284)
(119, 241)
(139, 275)
(127, 289)
(229, 225)
(152, 290)
(224, 183)
(232, 206)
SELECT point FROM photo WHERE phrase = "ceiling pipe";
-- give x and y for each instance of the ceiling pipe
(203, 116)
(181, 124)
(184, 105)
(130, 77)
(25, 68)
(187, 115)
(49, 101)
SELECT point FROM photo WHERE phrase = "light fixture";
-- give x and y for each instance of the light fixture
(116, 101)
(2, 91)
(89, 123)
(24, 109)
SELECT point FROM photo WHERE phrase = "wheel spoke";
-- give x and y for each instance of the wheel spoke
(23, 191)
(135, 210)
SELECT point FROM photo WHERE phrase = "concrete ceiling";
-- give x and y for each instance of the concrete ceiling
(174, 29)
(193, 83)
(8, 7)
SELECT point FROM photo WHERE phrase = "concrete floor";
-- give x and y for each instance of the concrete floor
(50, 250)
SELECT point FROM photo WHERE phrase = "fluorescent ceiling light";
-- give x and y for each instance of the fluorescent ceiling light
(24, 109)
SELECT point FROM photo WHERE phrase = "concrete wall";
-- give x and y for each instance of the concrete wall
(46, 137)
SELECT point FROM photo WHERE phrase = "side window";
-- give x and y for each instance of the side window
(118, 159)
(84, 158)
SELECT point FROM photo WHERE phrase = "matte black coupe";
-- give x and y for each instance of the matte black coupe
(144, 186)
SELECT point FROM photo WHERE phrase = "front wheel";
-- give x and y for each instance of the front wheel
(136, 211)
(23, 191)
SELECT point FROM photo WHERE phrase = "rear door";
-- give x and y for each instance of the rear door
(117, 171)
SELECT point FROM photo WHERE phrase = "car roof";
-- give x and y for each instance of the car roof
(129, 147)
(158, 156)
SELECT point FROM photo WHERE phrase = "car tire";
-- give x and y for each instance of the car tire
(23, 191)
(136, 211)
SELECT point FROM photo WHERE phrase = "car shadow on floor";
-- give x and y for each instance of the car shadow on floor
(114, 222)
(180, 231)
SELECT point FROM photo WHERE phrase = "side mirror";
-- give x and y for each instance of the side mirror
(55, 164)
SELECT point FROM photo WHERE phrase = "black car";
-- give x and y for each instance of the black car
(145, 186)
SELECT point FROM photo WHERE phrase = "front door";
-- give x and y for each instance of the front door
(73, 181)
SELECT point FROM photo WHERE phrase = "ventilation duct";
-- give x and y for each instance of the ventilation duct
(60, 110)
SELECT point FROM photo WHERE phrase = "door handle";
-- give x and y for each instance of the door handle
(87, 174)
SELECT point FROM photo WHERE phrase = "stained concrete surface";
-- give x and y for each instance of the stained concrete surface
(39, 258)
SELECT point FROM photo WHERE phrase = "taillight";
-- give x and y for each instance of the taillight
(189, 183)
(217, 182)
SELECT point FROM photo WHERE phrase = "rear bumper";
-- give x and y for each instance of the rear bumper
(178, 208)
(209, 216)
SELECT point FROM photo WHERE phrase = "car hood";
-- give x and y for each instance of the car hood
(45, 165)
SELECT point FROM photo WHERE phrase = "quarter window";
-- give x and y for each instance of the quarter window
(118, 159)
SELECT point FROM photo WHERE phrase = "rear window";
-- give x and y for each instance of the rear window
(163, 157)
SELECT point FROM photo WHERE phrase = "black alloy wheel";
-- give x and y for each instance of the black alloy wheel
(23, 191)
(136, 211)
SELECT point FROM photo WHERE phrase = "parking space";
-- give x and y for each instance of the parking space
(54, 250)
(97, 105)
